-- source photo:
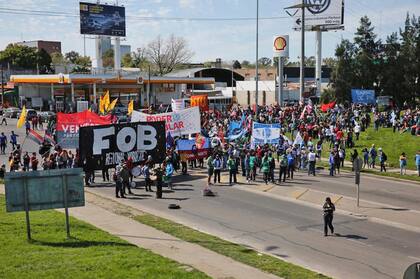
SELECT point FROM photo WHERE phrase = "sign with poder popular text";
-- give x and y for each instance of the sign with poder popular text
(107, 146)
(183, 122)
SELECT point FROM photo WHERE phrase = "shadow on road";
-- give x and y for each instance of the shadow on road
(350, 236)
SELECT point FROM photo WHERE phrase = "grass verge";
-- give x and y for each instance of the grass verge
(91, 253)
(237, 252)
(409, 177)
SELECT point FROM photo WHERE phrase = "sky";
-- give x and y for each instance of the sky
(208, 39)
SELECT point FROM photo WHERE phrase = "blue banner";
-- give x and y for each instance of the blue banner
(361, 96)
(265, 133)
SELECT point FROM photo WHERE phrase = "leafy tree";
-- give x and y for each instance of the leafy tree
(329, 62)
(367, 56)
(343, 75)
(57, 58)
(140, 59)
(265, 61)
(245, 64)
(127, 60)
(20, 56)
(236, 65)
(108, 58)
(43, 62)
(72, 56)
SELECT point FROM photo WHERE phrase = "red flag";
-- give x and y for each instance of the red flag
(326, 107)
(35, 136)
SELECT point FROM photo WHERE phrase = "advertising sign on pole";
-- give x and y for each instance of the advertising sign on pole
(107, 145)
(328, 14)
(281, 46)
(98, 19)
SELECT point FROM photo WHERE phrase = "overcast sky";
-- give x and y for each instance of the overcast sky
(207, 39)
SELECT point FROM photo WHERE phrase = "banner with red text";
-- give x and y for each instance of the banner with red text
(183, 122)
(68, 125)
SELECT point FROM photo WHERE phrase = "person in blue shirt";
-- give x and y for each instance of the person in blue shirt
(13, 140)
(418, 161)
(331, 162)
(290, 165)
(27, 126)
(3, 143)
(169, 171)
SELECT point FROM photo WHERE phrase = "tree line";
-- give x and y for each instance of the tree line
(390, 67)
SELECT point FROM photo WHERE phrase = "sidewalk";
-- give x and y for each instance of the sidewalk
(209, 262)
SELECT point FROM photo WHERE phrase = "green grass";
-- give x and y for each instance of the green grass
(91, 253)
(393, 145)
(410, 177)
(237, 252)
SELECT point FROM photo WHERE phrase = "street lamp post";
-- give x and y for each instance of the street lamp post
(256, 63)
(301, 22)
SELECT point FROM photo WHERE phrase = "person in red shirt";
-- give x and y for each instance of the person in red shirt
(340, 135)
(130, 166)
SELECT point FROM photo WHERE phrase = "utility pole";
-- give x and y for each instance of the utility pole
(256, 63)
(2, 86)
(301, 22)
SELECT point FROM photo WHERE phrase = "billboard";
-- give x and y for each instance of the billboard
(98, 19)
(361, 96)
(281, 46)
(327, 14)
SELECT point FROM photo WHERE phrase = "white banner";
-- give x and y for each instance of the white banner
(179, 123)
(177, 105)
(326, 13)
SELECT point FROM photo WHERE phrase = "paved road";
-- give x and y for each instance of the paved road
(294, 231)
(289, 230)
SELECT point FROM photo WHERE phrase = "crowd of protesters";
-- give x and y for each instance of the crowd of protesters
(305, 133)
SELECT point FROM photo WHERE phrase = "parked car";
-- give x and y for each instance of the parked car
(46, 115)
(11, 112)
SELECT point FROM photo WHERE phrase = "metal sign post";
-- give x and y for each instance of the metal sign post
(26, 205)
(357, 165)
(65, 200)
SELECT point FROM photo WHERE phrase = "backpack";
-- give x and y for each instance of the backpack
(384, 157)
(283, 162)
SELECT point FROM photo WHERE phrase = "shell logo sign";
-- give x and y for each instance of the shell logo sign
(281, 45)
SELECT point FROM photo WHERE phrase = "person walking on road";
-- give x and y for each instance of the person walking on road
(232, 169)
(169, 171)
(283, 168)
(265, 167)
(13, 140)
(210, 169)
(329, 209)
(331, 162)
(119, 192)
(382, 159)
(373, 154)
(217, 163)
(403, 164)
(312, 162)
(417, 158)
(3, 143)
(3, 120)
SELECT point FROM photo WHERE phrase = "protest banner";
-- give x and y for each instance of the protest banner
(192, 149)
(326, 107)
(201, 101)
(106, 145)
(265, 133)
(361, 96)
(179, 123)
(68, 125)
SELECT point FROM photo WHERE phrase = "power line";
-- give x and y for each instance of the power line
(139, 18)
